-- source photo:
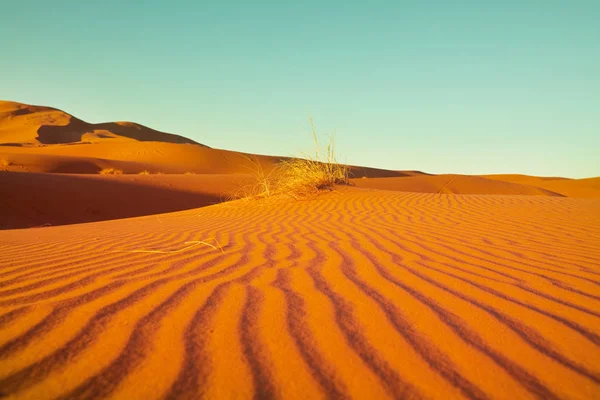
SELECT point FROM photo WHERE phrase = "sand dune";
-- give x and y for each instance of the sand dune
(131, 158)
(34, 125)
(452, 184)
(407, 286)
(588, 187)
(44, 139)
(134, 157)
(357, 293)
(36, 143)
(32, 199)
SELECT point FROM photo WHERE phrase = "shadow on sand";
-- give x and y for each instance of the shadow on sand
(37, 199)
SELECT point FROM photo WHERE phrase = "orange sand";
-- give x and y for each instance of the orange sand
(452, 184)
(34, 199)
(34, 125)
(406, 286)
(357, 293)
(588, 187)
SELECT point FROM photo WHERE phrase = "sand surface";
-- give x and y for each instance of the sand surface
(40, 199)
(34, 125)
(588, 187)
(453, 184)
(404, 285)
(356, 293)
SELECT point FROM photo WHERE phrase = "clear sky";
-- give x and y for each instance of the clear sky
(442, 86)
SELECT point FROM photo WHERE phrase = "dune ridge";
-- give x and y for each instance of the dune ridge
(356, 293)
(23, 124)
(48, 157)
(453, 184)
(585, 188)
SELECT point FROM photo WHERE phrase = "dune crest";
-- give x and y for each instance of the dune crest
(22, 124)
(42, 141)
(453, 184)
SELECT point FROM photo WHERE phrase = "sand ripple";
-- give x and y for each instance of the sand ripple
(355, 294)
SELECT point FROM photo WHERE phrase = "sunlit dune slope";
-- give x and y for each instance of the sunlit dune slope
(131, 158)
(457, 184)
(44, 139)
(35, 125)
(523, 179)
(588, 187)
(355, 294)
(32, 199)
(135, 157)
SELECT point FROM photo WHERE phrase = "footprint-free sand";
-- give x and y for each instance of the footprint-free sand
(406, 285)
(356, 293)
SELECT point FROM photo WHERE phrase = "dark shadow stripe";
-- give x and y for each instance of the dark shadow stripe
(593, 337)
(60, 312)
(432, 355)
(527, 334)
(457, 325)
(140, 343)
(303, 337)
(540, 344)
(89, 334)
(391, 380)
(11, 316)
(264, 387)
(196, 365)
(560, 301)
(571, 324)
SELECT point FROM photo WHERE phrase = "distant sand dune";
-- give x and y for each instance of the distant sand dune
(588, 187)
(26, 124)
(44, 139)
(453, 184)
(37, 143)
(357, 293)
(409, 285)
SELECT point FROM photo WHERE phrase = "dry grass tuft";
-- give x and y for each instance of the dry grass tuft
(310, 174)
(144, 172)
(111, 171)
(298, 177)
(263, 183)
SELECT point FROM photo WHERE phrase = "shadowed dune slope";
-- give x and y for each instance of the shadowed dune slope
(32, 199)
(457, 184)
(357, 293)
(35, 125)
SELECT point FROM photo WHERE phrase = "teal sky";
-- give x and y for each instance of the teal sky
(442, 86)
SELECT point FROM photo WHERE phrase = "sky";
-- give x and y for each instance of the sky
(446, 86)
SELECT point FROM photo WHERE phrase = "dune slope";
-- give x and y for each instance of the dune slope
(587, 187)
(452, 184)
(357, 293)
(32, 199)
(36, 125)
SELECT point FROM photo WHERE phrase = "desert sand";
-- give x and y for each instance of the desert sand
(405, 285)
